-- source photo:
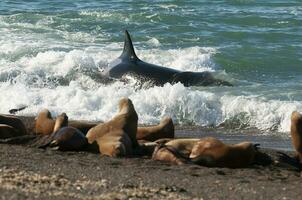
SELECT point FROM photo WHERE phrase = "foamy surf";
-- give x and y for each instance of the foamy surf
(184, 105)
(67, 81)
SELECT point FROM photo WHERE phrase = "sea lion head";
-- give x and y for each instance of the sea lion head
(44, 122)
(61, 121)
(44, 114)
(119, 150)
(125, 105)
(127, 118)
(168, 154)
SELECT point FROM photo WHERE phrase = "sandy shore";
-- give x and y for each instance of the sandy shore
(31, 173)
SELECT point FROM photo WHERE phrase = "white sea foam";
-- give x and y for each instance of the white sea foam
(184, 105)
(154, 42)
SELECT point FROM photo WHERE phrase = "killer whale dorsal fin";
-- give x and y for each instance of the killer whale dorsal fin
(128, 51)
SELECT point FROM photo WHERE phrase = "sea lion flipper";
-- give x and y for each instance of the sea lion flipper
(292, 161)
(53, 144)
(18, 139)
(55, 148)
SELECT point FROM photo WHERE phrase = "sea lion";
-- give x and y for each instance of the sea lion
(14, 126)
(207, 151)
(165, 129)
(296, 133)
(61, 121)
(176, 151)
(117, 137)
(64, 137)
(211, 152)
(44, 123)
(7, 131)
(170, 154)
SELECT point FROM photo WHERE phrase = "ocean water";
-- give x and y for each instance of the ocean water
(52, 51)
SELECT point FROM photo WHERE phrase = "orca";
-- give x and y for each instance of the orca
(129, 64)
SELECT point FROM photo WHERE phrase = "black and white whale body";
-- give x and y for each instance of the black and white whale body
(129, 64)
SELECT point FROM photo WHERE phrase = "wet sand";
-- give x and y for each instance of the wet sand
(31, 173)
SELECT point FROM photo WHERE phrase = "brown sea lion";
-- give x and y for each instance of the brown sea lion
(115, 144)
(18, 128)
(61, 121)
(64, 137)
(211, 152)
(207, 151)
(163, 130)
(7, 131)
(170, 154)
(44, 123)
(176, 151)
(296, 133)
(117, 137)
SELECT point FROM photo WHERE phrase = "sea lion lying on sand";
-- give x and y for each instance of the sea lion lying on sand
(7, 131)
(206, 151)
(45, 124)
(64, 137)
(11, 127)
(165, 129)
(117, 137)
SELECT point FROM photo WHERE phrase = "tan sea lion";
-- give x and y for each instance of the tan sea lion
(117, 137)
(61, 121)
(115, 144)
(176, 151)
(211, 152)
(296, 133)
(207, 151)
(44, 123)
(64, 137)
(14, 126)
(163, 130)
(170, 154)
